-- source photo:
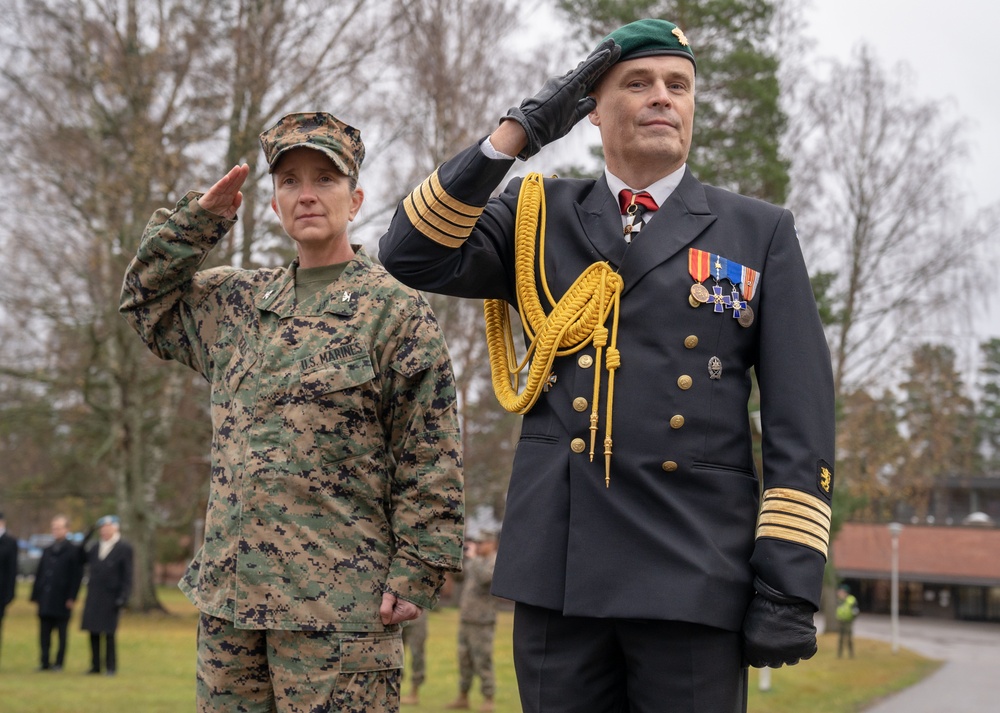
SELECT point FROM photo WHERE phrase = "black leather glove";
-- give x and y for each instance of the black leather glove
(562, 101)
(777, 629)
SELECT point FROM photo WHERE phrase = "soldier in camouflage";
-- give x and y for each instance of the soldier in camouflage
(336, 499)
(415, 640)
(478, 618)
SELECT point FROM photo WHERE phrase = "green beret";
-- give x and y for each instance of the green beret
(646, 38)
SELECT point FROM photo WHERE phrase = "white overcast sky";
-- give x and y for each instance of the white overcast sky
(953, 50)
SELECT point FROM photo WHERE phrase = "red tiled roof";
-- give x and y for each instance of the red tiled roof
(957, 555)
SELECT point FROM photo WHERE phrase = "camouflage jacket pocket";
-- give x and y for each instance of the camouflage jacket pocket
(371, 652)
(337, 376)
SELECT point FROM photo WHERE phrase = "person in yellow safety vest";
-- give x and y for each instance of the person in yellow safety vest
(847, 612)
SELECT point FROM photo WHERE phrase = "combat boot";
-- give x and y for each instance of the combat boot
(487, 705)
(411, 700)
(459, 704)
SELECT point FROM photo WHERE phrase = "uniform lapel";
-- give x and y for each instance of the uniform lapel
(601, 219)
(681, 219)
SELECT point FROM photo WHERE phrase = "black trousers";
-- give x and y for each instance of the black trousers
(46, 625)
(582, 665)
(111, 664)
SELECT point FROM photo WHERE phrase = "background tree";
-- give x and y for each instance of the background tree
(878, 206)
(871, 456)
(940, 423)
(989, 406)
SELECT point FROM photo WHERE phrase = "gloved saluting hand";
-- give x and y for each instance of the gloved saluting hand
(777, 629)
(562, 101)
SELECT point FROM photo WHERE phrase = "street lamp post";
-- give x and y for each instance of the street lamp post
(895, 529)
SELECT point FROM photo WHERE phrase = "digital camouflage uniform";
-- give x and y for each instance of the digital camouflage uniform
(478, 617)
(336, 461)
(415, 639)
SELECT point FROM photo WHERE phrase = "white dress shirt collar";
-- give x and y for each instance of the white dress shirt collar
(660, 190)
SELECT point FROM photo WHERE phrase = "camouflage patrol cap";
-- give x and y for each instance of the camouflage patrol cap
(649, 37)
(315, 130)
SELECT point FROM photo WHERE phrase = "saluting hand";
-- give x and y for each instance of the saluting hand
(562, 101)
(225, 197)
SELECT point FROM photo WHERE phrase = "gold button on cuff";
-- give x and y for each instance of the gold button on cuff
(677, 421)
(585, 361)
(578, 445)
(684, 382)
(691, 341)
(580, 404)
(669, 466)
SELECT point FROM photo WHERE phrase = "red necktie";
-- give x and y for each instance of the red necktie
(634, 205)
(627, 198)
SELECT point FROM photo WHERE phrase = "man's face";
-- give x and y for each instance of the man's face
(645, 112)
(313, 199)
(59, 528)
(108, 530)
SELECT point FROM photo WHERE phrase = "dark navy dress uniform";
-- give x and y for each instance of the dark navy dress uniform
(685, 523)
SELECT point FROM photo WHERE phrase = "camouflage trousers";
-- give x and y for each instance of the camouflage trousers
(475, 657)
(267, 671)
(415, 640)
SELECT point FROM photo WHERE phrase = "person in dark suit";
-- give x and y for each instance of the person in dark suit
(109, 583)
(8, 570)
(57, 583)
(649, 561)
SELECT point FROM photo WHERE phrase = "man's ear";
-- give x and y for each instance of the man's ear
(595, 115)
(274, 206)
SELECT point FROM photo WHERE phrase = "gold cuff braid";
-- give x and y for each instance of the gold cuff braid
(440, 217)
(795, 516)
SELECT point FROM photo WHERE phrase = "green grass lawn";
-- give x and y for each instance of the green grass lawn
(157, 658)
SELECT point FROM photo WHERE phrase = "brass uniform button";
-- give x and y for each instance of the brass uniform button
(580, 404)
(691, 341)
(677, 421)
(578, 445)
(669, 466)
(585, 361)
(684, 382)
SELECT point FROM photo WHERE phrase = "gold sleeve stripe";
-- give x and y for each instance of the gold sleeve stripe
(792, 508)
(795, 516)
(439, 216)
(802, 538)
(795, 523)
(823, 511)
